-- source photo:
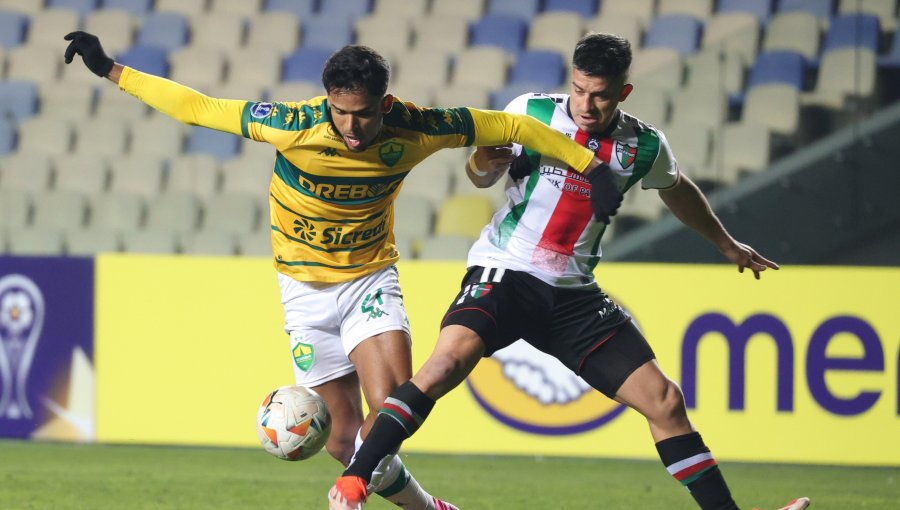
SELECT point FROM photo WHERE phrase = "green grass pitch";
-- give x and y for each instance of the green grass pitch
(99, 477)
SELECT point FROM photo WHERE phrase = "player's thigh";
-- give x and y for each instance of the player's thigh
(383, 362)
(458, 351)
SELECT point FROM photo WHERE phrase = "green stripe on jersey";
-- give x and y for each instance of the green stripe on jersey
(542, 109)
(337, 190)
(647, 152)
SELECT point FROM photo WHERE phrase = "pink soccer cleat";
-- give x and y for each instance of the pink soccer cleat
(443, 505)
(797, 504)
(348, 493)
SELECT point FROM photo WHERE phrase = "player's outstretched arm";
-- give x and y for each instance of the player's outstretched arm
(173, 99)
(689, 205)
(486, 165)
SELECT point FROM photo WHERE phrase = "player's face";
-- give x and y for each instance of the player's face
(594, 100)
(357, 116)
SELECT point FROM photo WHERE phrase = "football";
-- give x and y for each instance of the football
(293, 423)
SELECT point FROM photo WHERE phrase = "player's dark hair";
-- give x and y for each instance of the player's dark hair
(605, 55)
(356, 68)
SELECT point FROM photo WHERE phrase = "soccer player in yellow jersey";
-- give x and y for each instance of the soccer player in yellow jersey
(340, 163)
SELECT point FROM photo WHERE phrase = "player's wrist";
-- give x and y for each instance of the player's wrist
(473, 167)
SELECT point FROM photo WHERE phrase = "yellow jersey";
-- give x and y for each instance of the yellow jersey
(331, 209)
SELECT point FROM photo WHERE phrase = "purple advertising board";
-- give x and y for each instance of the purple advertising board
(46, 348)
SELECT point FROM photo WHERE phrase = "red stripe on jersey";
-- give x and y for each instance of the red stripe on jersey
(569, 219)
(606, 148)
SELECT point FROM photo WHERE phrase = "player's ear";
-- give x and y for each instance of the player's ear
(626, 89)
(387, 103)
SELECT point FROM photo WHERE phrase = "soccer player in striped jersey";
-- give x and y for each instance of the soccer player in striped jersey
(530, 275)
(339, 163)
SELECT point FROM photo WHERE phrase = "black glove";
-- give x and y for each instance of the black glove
(88, 46)
(605, 195)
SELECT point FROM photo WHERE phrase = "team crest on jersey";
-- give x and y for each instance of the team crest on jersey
(261, 110)
(480, 290)
(625, 153)
(390, 153)
(304, 354)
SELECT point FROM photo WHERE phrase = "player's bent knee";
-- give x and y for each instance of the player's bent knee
(341, 449)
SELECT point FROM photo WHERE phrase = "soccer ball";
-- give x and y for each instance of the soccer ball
(293, 423)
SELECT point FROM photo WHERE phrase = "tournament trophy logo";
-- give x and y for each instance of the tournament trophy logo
(21, 321)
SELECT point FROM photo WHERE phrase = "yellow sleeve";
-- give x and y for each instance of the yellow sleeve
(184, 103)
(498, 128)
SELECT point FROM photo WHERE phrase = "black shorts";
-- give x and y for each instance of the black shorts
(584, 329)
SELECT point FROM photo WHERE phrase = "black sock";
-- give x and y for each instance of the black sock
(690, 462)
(399, 418)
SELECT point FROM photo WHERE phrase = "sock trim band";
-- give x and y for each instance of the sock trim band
(684, 470)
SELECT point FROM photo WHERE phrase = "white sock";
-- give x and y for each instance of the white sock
(393, 482)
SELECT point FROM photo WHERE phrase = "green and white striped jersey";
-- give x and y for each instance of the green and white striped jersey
(547, 227)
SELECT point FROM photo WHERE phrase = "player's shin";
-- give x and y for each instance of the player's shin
(401, 415)
(690, 462)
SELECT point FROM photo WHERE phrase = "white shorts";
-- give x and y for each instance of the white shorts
(326, 321)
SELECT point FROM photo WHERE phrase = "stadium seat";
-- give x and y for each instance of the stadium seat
(463, 215)
(722, 71)
(503, 31)
(196, 173)
(639, 205)
(82, 8)
(675, 31)
(413, 216)
(157, 136)
(700, 9)
(244, 8)
(18, 99)
(891, 58)
(254, 68)
(732, 33)
(524, 10)
(885, 10)
(13, 26)
(468, 9)
(44, 241)
(199, 67)
(445, 247)
(821, 9)
(137, 8)
(21, 171)
(114, 27)
(87, 174)
(431, 179)
(391, 37)
(786, 67)
(7, 137)
(501, 97)
(116, 211)
(257, 243)
(648, 103)
(703, 105)
(175, 212)
(247, 175)
(91, 241)
(188, 9)
(761, 9)
(218, 144)
(101, 137)
(45, 135)
(445, 34)
(852, 31)
(543, 70)
(222, 31)
(658, 68)
(496, 193)
(483, 66)
(625, 24)
(234, 213)
(557, 31)
(474, 96)
(327, 33)
(692, 145)
(39, 64)
(60, 210)
(797, 31)
(300, 8)
(422, 68)
(834, 84)
(351, 8)
(583, 8)
(745, 148)
(137, 175)
(167, 31)
(643, 10)
(209, 243)
(148, 59)
(400, 9)
(45, 27)
(15, 208)
(274, 31)
(295, 91)
(150, 241)
(305, 64)
(775, 106)
(26, 7)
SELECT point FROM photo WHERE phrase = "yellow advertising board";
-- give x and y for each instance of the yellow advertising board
(801, 366)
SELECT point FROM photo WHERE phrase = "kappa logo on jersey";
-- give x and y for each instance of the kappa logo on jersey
(304, 354)
(371, 305)
(625, 153)
(261, 110)
(593, 144)
(390, 153)
(328, 151)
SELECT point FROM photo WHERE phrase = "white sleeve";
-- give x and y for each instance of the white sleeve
(664, 172)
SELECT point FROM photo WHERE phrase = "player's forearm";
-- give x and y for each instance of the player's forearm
(498, 128)
(179, 102)
(482, 178)
(690, 206)
(115, 73)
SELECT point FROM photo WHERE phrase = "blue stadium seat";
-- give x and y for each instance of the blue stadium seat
(327, 32)
(544, 70)
(7, 136)
(302, 8)
(218, 144)
(522, 9)
(18, 99)
(352, 8)
(82, 7)
(502, 96)
(787, 67)
(891, 59)
(149, 59)
(762, 9)
(12, 28)
(138, 8)
(851, 30)
(166, 30)
(304, 64)
(676, 31)
(822, 9)
(507, 32)
(585, 8)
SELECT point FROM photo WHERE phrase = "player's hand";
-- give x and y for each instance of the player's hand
(747, 258)
(493, 159)
(605, 195)
(88, 46)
